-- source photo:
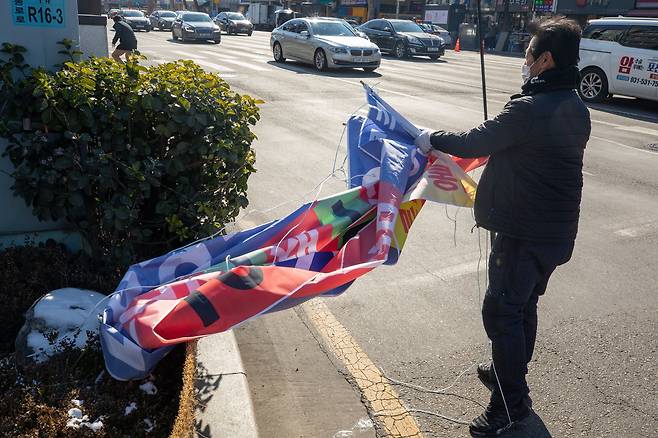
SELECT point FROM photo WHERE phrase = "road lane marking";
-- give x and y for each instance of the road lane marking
(639, 129)
(639, 231)
(213, 65)
(187, 55)
(587, 173)
(248, 65)
(616, 143)
(212, 53)
(384, 401)
(456, 271)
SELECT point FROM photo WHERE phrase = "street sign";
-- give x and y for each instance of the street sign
(38, 13)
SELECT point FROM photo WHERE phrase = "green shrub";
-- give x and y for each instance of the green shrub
(139, 159)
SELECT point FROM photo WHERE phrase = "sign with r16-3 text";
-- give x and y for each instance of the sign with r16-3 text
(39, 13)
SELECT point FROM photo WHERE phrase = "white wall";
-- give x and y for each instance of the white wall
(16, 219)
(93, 41)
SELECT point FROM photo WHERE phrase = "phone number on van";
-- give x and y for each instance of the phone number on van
(640, 81)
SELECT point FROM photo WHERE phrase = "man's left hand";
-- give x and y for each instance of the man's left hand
(423, 141)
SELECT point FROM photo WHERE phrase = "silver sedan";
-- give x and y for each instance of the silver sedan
(325, 43)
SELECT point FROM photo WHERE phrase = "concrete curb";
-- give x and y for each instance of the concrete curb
(224, 406)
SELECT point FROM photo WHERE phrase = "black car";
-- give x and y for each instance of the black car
(234, 23)
(195, 26)
(403, 38)
(162, 20)
(135, 19)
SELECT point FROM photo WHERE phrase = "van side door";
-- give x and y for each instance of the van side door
(637, 62)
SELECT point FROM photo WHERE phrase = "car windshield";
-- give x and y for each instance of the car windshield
(168, 14)
(332, 28)
(406, 26)
(132, 14)
(235, 16)
(198, 17)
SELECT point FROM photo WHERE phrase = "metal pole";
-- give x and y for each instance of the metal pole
(492, 235)
(481, 42)
(397, 9)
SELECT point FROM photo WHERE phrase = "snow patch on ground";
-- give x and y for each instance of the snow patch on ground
(364, 423)
(149, 388)
(148, 425)
(130, 408)
(78, 420)
(70, 312)
(76, 413)
(343, 434)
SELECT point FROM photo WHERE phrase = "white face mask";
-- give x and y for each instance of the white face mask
(525, 70)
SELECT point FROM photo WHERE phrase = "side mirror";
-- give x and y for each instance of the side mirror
(387, 29)
(305, 33)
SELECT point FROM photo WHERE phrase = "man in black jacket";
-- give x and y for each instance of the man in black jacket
(126, 37)
(529, 195)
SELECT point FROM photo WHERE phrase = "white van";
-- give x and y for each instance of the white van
(619, 56)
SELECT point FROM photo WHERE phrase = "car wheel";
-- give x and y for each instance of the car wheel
(320, 60)
(277, 51)
(249, 34)
(217, 41)
(593, 86)
(434, 57)
(369, 69)
(399, 51)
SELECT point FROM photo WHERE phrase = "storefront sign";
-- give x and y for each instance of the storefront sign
(544, 5)
(646, 4)
(595, 7)
(437, 17)
(353, 2)
(514, 5)
(38, 13)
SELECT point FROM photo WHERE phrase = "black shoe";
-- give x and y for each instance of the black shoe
(494, 420)
(488, 378)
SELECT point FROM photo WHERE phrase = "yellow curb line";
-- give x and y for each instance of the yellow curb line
(382, 397)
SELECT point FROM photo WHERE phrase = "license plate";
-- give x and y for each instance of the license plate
(361, 59)
(432, 49)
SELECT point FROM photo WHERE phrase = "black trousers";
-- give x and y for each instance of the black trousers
(518, 274)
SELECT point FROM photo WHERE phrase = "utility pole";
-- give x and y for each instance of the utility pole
(371, 9)
(397, 9)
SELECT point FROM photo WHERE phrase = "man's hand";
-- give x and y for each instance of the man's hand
(423, 142)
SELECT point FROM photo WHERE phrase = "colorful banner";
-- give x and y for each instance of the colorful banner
(318, 250)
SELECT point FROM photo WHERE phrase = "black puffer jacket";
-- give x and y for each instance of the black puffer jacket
(532, 185)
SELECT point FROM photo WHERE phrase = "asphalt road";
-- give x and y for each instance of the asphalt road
(595, 371)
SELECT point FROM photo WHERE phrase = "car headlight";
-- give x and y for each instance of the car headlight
(215, 29)
(413, 40)
(338, 49)
(188, 28)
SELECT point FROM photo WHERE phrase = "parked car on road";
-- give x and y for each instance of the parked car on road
(135, 19)
(234, 23)
(325, 43)
(162, 20)
(355, 27)
(438, 31)
(403, 38)
(619, 56)
(195, 26)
